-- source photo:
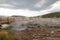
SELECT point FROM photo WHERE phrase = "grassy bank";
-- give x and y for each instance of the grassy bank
(6, 35)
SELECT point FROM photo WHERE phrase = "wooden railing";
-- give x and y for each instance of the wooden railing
(7, 21)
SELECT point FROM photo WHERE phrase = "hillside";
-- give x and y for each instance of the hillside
(52, 15)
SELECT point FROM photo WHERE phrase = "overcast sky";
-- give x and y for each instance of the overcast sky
(28, 7)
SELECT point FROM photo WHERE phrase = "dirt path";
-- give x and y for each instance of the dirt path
(17, 35)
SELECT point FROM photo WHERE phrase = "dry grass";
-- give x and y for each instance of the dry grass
(6, 35)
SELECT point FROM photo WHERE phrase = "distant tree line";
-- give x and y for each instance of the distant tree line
(52, 15)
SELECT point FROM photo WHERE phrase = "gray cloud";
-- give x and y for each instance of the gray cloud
(48, 3)
(26, 4)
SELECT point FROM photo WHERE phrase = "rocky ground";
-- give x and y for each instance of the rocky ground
(38, 29)
(35, 28)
